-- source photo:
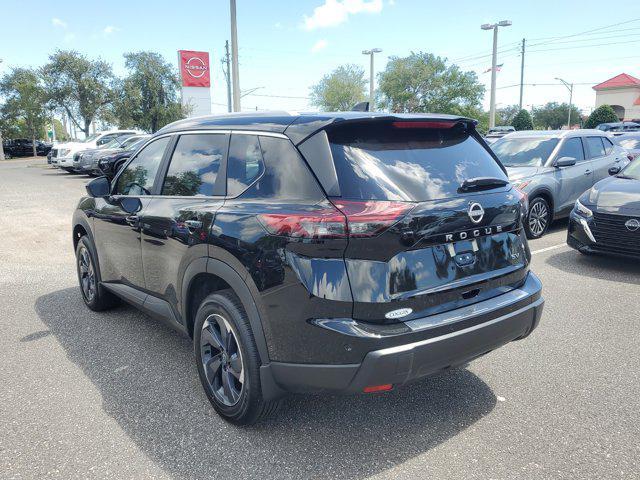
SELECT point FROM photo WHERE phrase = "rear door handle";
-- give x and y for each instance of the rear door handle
(195, 224)
(132, 220)
(588, 172)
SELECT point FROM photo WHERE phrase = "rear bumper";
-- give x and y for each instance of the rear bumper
(406, 362)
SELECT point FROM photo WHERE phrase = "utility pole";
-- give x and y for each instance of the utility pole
(227, 74)
(234, 57)
(522, 74)
(494, 59)
(570, 88)
(371, 53)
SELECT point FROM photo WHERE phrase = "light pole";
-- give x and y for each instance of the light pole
(235, 74)
(492, 102)
(570, 88)
(371, 53)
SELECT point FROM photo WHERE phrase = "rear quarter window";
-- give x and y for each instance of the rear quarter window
(381, 162)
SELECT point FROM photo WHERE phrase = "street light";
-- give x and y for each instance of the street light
(492, 102)
(570, 88)
(371, 53)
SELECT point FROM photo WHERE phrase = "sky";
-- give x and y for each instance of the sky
(285, 46)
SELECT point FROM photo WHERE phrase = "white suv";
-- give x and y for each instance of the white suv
(62, 154)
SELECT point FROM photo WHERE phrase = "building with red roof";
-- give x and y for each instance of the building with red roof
(622, 92)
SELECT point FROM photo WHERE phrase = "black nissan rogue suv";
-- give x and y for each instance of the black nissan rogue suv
(347, 252)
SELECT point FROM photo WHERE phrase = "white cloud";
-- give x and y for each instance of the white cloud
(109, 29)
(278, 26)
(69, 37)
(335, 12)
(391, 3)
(319, 45)
(56, 22)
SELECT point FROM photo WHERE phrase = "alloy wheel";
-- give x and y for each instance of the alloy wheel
(538, 218)
(222, 359)
(87, 275)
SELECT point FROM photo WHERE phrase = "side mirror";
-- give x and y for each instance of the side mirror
(565, 162)
(98, 187)
(130, 204)
(614, 170)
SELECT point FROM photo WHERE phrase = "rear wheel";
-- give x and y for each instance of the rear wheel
(228, 360)
(538, 218)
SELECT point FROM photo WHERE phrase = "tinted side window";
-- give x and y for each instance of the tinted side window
(286, 174)
(594, 147)
(138, 177)
(195, 164)
(608, 145)
(245, 163)
(572, 147)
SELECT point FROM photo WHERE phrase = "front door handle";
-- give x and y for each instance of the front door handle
(132, 220)
(588, 172)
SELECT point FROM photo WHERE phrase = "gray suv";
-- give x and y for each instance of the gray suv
(554, 167)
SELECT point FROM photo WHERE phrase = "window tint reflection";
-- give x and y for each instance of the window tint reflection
(245, 163)
(194, 165)
(138, 177)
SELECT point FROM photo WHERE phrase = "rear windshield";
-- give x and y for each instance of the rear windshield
(383, 162)
(519, 151)
(631, 143)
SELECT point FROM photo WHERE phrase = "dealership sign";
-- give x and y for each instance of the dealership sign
(194, 68)
(195, 77)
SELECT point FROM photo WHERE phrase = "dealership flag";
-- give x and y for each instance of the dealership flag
(498, 68)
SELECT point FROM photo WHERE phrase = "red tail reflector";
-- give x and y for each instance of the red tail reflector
(431, 124)
(378, 388)
(369, 218)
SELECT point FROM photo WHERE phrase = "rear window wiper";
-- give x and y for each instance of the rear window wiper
(482, 183)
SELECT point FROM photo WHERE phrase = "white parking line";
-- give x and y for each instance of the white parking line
(549, 248)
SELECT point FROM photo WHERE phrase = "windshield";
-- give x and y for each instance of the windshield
(524, 152)
(112, 144)
(632, 170)
(396, 162)
(91, 138)
(130, 141)
(136, 144)
(630, 143)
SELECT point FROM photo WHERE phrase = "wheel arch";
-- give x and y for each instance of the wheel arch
(548, 196)
(213, 275)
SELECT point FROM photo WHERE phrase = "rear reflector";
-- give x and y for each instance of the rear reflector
(344, 218)
(423, 124)
(378, 388)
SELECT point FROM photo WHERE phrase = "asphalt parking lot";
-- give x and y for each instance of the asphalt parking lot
(116, 395)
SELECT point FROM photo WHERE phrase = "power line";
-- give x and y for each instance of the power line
(587, 31)
(583, 46)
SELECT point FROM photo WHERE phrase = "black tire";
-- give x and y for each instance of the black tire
(538, 218)
(232, 377)
(95, 296)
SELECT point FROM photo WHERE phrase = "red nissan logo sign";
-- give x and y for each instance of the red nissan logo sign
(194, 68)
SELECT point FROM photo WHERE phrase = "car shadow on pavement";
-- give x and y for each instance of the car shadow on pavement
(148, 381)
(601, 267)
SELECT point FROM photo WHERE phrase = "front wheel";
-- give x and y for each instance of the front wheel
(228, 361)
(538, 218)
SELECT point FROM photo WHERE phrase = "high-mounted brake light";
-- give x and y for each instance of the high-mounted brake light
(423, 124)
(343, 218)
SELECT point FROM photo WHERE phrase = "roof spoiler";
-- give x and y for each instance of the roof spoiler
(360, 107)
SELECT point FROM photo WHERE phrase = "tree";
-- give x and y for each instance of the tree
(61, 135)
(522, 121)
(81, 87)
(148, 96)
(340, 90)
(25, 101)
(505, 115)
(554, 115)
(423, 82)
(602, 114)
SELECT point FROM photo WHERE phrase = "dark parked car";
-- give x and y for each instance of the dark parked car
(109, 162)
(606, 218)
(86, 161)
(619, 127)
(350, 252)
(22, 147)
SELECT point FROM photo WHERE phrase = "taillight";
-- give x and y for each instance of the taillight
(369, 218)
(327, 222)
(346, 218)
(430, 124)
